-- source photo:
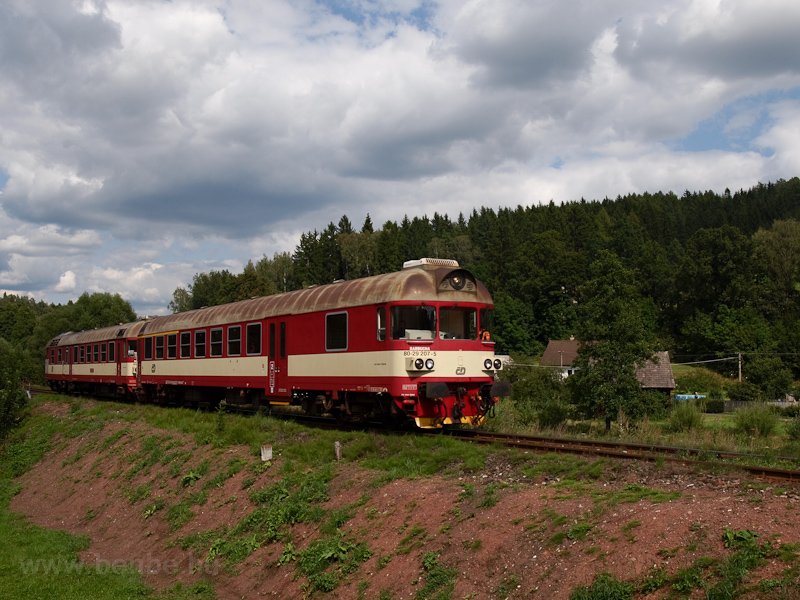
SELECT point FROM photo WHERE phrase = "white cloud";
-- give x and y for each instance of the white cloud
(145, 142)
(67, 282)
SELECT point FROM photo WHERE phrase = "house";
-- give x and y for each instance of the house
(655, 374)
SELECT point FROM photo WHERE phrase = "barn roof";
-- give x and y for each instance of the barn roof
(656, 373)
(560, 353)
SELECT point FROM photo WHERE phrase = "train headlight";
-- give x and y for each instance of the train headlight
(457, 282)
(498, 364)
(429, 364)
(419, 364)
(487, 364)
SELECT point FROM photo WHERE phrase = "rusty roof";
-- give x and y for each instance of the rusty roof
(419, 284)
(100, 334)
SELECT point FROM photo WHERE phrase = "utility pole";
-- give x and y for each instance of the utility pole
(740, 367)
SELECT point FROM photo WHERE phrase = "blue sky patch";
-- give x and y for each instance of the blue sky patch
(735, 127)
(366, 13)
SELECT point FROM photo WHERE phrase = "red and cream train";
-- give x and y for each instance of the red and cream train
(410, 344)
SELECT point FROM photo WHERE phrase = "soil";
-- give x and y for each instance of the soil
(504, 535)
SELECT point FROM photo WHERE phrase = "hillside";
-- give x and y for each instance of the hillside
(400, 516)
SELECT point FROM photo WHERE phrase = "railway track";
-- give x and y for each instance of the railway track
(637, 451)
(622, 450)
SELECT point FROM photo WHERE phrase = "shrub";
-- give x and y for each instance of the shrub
(793, 429)
(685, 417)
(744, 392)
(758, 419)
(538, 395)
(12, 397)
(715, 406)
(553, 413)
(699, 379)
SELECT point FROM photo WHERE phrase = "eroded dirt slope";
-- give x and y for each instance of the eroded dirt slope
(180, 511)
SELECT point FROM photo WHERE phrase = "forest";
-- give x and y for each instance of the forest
(702, 275)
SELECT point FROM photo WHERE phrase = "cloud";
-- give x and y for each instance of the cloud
(67, 282)
(145, 142)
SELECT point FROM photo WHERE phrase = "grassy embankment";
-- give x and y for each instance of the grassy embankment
(37, 563)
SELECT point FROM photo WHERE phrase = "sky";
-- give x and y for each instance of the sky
(144, 141)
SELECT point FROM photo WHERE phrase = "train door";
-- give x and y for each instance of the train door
(118, 356)
(277, 384)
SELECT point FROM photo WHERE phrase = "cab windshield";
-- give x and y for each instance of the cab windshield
(458, 323)
(420, 323)
(413, 322)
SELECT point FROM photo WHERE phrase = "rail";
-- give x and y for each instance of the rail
(639, 451)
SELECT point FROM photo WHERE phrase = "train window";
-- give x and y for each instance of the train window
(172, 345)
(234, 340)
(160, 347)
(186, 344)
(103, 356)
(81, 357)
(336, 331)
(131, 349)
(59, 357)
(74, 354)
(111, 346)
(381, 323)
(487, 319)
(458, 323)
(272, 340)
(283, 339)
(96, 353)
(413, 322)
(148, 348)
(200, 343)
(254, 338)
(216, 342)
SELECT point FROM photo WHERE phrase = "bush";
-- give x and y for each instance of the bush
(758, 420)
(553, 413)
(793, 429)
(770, 375)
(744, 392)
(538, 396)
(685, 417)
(12, 397)
(791, 411)
(714, 406)
(698, 379)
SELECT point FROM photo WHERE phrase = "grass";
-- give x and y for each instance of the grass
(298, 489)
(438, 580)
(38, 563)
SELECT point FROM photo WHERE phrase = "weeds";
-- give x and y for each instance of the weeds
(440, 581)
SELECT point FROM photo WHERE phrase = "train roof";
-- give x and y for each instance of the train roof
(424, 280)
(421, 281)
(101, 334)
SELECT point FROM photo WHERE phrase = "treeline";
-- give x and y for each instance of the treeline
(708, 275)
(26, 326)
(715, 274)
